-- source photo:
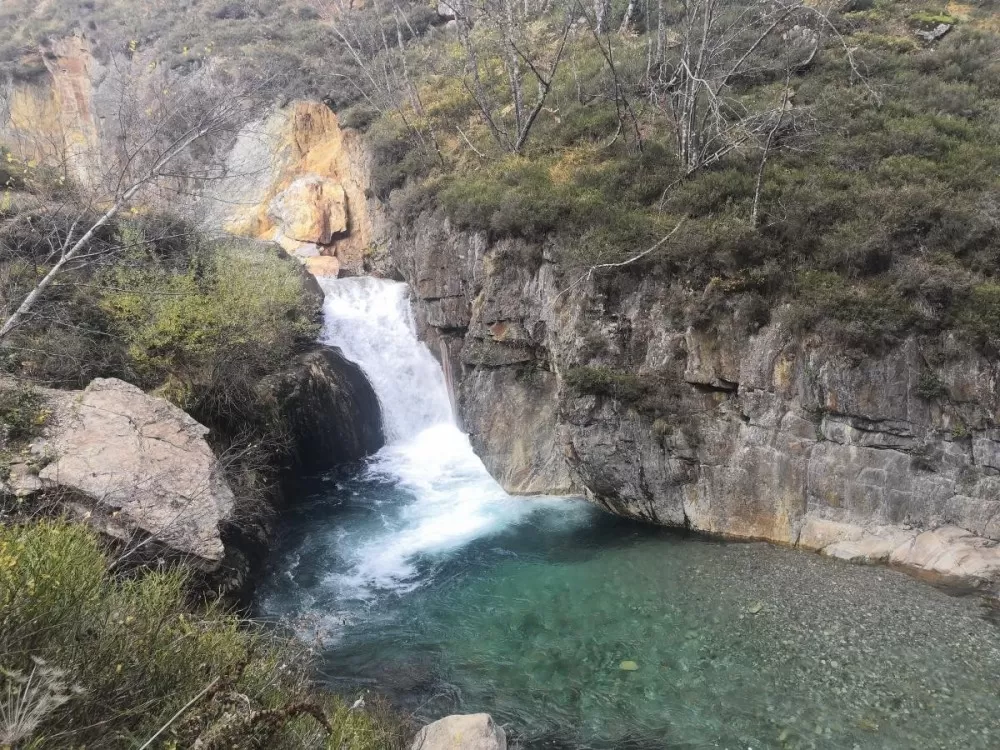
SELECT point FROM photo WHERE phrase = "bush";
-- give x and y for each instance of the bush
(98, 661)
(867, 315)
(979, 313)
(22, 413)
(602, 381)
(206, 331)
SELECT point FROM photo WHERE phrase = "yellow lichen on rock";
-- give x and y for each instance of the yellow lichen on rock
(312, 209)
(53, 121)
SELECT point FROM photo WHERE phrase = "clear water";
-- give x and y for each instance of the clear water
(419, 577)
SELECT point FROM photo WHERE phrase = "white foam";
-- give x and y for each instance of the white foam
(449, 497)
(371, 322)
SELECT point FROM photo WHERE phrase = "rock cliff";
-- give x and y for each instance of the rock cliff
(569, 382)
(293, 181)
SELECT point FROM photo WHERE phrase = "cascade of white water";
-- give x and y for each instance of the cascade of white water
(447, 498)
(371, 322)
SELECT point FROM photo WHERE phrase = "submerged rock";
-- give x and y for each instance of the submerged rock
(461, 732)
(133, 464)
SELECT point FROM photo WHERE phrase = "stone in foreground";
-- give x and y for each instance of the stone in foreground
(461, 732)
(133, 463)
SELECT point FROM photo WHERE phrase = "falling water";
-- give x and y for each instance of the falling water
(577, 630)
(426, 492)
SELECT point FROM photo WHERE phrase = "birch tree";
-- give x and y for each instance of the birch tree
(497, 33)
(167, 136)
(720, 44)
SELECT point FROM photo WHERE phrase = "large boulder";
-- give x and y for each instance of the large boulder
(328, 407)
(461, 732)
(311, 209)
(135, 466)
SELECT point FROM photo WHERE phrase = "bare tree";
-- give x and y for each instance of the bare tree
(724, 42)
(167, 135)
(503, 38)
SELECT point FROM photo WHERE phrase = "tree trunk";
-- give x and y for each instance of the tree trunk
(601, 8)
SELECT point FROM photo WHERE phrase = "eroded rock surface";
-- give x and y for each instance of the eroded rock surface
(461, 732)
(330, 408)
(311, 210)
(132, 464)
(568, 382)
(298, 179)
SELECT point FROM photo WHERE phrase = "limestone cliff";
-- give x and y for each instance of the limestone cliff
(54, 119)
(294, 180)
(590, 384)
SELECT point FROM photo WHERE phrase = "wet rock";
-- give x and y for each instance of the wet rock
(461, 732)
(328, 407)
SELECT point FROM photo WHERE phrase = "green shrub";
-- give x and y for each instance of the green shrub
(22, 412)
(602, 381)
(866, 315)
(979, 313)
(117, 658)
(932, 18)
(930, 387)
(206, 331)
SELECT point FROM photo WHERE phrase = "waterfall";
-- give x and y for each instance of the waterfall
(429, 491)
(370, 320)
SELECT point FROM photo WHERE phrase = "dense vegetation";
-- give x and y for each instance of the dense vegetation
(878, 209)
(91, 659)
(96, 652)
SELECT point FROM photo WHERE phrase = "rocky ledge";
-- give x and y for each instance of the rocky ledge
(731, 427)
(139, 469)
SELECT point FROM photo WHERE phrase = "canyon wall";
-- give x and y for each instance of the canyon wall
(54, 119)
(577, 382)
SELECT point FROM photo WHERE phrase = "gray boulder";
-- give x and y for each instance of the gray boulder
(461, 732)
(135, 466)
(329, 408)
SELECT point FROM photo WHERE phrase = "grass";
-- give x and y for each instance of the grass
(91, 659)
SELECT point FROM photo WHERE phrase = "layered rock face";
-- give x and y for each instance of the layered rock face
(135, 467)
(54, 120)
(570, 382)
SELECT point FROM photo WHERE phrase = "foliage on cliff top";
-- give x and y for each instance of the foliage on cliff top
(880, 195)
(91, 659)
(198, 321)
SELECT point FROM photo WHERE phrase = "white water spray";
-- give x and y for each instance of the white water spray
(371, 322)
(449, 499)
